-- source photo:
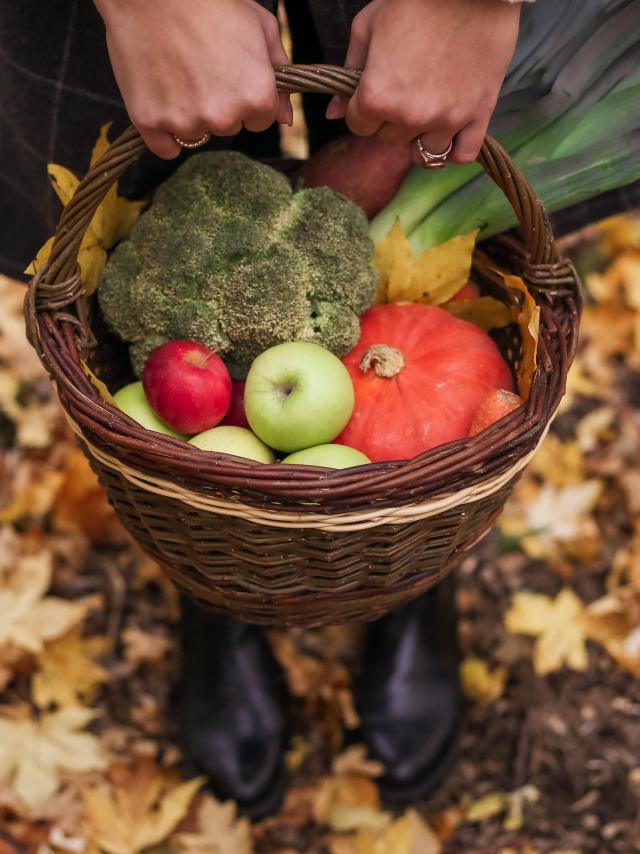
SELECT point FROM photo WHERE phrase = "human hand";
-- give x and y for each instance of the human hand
(187, 69)
(430, 68)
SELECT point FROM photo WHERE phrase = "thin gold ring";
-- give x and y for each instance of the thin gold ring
(185, 143)
(433, 161)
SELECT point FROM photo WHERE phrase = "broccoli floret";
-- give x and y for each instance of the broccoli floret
(229, 256)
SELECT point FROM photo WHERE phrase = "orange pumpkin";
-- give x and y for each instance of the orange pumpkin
(419, 376)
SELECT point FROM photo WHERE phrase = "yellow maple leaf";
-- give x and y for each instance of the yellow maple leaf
(111, 222)
(409, 834)
(480, 684)
(433, 278)
(511, 804)
(67, 670)
(558, 626)
(33, 752)
(220, 831)
(354, 760)
(29, 617)
(614, 622)
(140, 808)
(348, 801)
(393, 260)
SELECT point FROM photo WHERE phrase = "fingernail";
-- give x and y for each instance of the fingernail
(289, 114)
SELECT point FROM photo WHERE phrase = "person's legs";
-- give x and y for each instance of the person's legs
(231, 711)
(409, 697)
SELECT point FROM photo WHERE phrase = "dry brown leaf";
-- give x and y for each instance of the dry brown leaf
(68, 671)
(220, 831)
(29, 617)
(295, 757)
(480, 684)
(619, 233)
(511, 804)
(614, 622)
(347, 802)
(81, 504)
(111, 222)
(34, 751)
(34, 489)
(409, 834)
(15, 351)
(559, 463)
(548, 519)
(558, 626)
(140, 808)
(142, 647)
(354, 760)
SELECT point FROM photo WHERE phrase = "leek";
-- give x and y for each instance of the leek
(569, 114)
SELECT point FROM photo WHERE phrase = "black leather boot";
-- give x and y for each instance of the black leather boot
(231, 711)
(409, 697)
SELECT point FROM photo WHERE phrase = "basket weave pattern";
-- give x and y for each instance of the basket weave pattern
(294, 545)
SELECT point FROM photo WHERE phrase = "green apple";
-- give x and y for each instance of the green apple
(328, 456)
(234, 440)
(133, 402)
(298, 395)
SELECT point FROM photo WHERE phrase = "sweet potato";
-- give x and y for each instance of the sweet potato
(362, 168)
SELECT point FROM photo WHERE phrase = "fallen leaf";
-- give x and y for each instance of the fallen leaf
(29, 617)
(558, 626)
(34, 751)
(142, 647)
(140, 808)
(510, 803)
(295, 757)
(409, 834)
(111, 222)
(614, 622)
(81, 504)
(220, 831)
(548, 518)
(354, 760)
(347, 801)
(67, 670)
(480, 684)
(559, 463)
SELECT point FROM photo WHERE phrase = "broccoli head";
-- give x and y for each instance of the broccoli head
(229, 256)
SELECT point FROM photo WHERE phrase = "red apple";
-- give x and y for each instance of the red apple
(235, 416)
(497, 403)
(187, 386)
(468, 291)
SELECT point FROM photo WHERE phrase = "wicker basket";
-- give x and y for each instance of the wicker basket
(294, 545)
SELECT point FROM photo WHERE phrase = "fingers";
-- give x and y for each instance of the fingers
(161, 143)
(469, 141)
(277, 56)
(355, 110)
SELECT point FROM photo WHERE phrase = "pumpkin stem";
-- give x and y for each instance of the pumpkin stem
(385, 360)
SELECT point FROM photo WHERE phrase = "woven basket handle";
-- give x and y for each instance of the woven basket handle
(329, 79)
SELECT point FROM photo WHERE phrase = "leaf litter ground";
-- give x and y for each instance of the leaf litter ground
(549, 759)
